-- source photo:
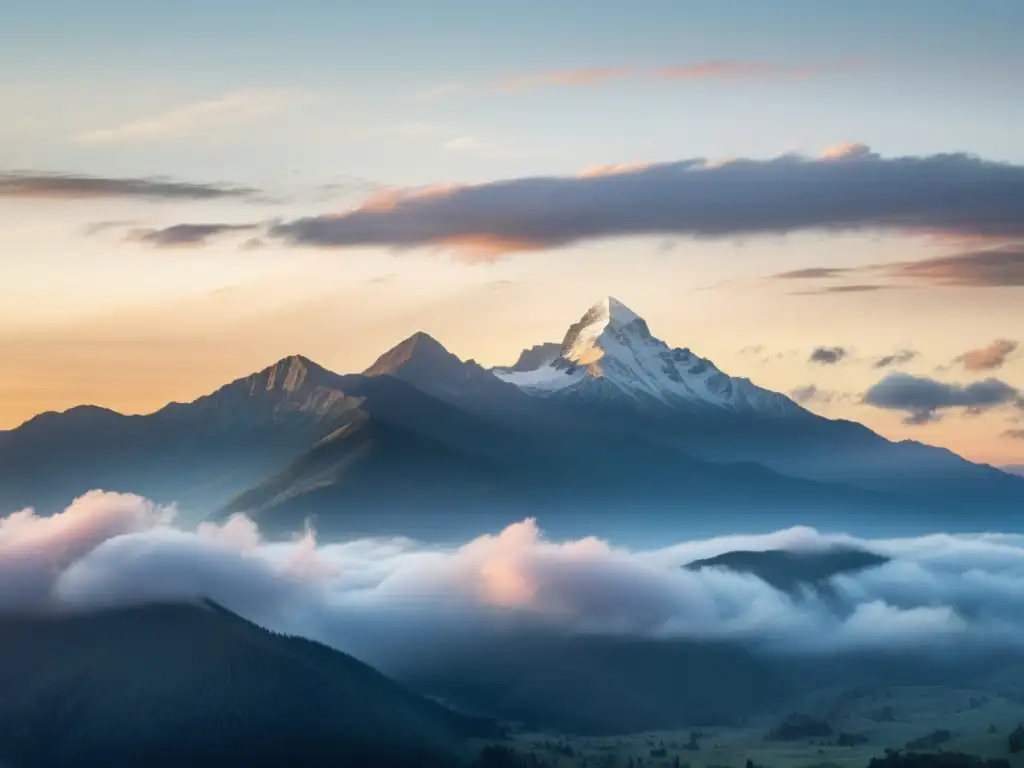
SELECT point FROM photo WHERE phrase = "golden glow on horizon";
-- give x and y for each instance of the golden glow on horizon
(101, 321)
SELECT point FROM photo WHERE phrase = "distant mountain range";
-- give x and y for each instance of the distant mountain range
(611, 420)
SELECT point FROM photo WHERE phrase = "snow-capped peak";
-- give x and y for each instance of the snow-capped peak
(610, 352)
(607, 314)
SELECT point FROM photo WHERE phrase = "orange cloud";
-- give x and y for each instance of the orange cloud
(565, 77)
(721, 69)
(989, 357)
(847, 150)
(994, 267)
(487, 249)
(729, 69)
(611, 169)
(390, 198)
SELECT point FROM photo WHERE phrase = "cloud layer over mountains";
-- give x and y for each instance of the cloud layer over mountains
(383, 599)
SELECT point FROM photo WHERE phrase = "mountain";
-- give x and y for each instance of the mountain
(600, 684)
(610, 354)
(1014, 469)
(199, 453)
(612, 370)
(617, 426)
(608, 683)
(423, 361)
(790, 571)
(535, 357)
(193, 684)
(400, 461)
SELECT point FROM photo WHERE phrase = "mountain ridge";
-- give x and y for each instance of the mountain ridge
(618, 431)
(610, 353)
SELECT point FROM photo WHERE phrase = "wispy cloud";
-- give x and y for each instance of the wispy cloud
(182, 235)
(811, 273)
(855, 191)
(896, 358)
(103, 226)
(747, 69)
(997, 266)
(735, 70)
(851, 288)
(564, 77)
(67, 186)
(231, 109)
(989, 357)
(988, 268)
(827, 355)
(811, 394)
(1014, 434)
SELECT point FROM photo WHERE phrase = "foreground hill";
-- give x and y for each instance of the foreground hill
(173, 685)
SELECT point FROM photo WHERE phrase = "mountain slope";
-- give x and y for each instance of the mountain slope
(616, 422)
(611, 354)
(372, 477)
(199, 453)
(611, 371)
(172, 685)
(424, 363)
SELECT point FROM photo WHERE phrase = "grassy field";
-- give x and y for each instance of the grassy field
(978, 722)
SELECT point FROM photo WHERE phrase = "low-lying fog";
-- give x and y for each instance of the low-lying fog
(382, 599)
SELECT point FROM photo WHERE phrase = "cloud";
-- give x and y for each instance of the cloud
(1014, 434)
(995, 266)
(924, 399)
(66, 186)
(812, 395)
(860, 191)
(103, 226)
(852, 288)
(190, 234)
(564, 77)
(827, 355)
(896, 358)
(729, 70)
(739, 69)
(811, 273)
(594, 171)
(987, 268)
(229, 110)
(989, 357)
(388, 600)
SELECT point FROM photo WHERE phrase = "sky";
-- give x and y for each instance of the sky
(826, 199)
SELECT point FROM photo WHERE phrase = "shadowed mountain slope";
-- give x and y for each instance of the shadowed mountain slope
(172, 685)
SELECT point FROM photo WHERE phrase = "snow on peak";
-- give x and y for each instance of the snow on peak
(581, 342)
(610, 352)
(616, 312)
